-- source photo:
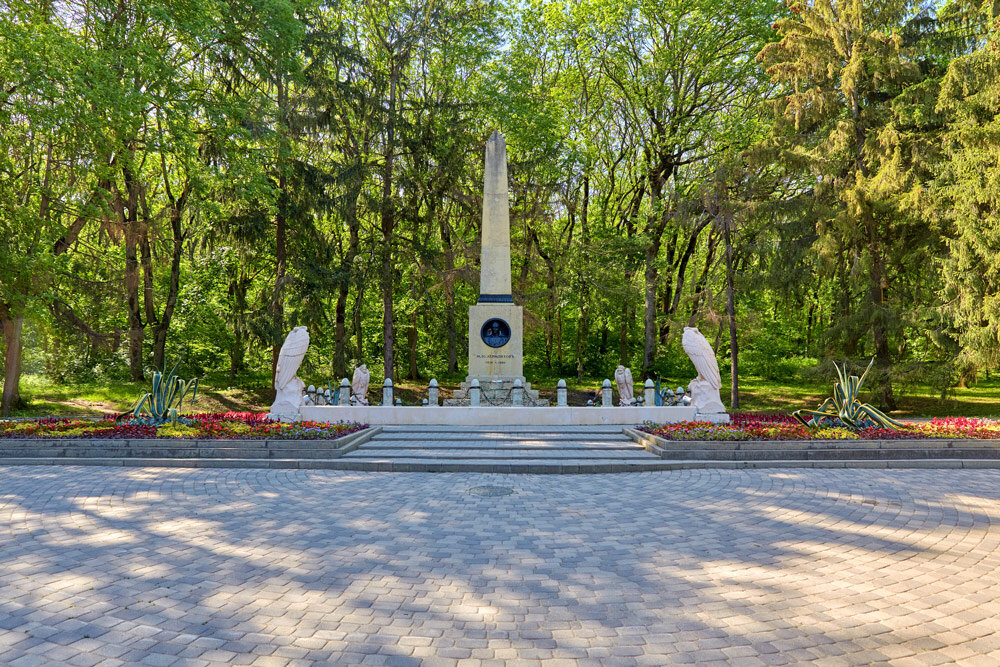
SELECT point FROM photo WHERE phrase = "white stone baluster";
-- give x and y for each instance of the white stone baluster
(517, 394)
(606, 394)
(387, 392)
(344, 396)
(474, 393)
(432, 393)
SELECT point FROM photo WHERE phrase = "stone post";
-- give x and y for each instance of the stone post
(517, 394)
(561, 394)
(387, 392)
(432, 393)
(424, 403)
(649, 396)
(474, 393)
(399, 403)
(606, 394)
(344, 395)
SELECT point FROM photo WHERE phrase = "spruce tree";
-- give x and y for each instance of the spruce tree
(843, 64)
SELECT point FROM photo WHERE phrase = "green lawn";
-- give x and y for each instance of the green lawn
(46, 397)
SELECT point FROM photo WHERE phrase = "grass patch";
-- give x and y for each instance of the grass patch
(96, 399)
(253, 394)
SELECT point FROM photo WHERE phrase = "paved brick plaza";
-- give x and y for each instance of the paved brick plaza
(191, 566)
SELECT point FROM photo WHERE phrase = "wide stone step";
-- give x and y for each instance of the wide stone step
(535, 466)
(503, 437)
(566, 431)
(493, 444)
(462, 454)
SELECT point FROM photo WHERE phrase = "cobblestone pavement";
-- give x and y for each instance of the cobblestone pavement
(194, 566)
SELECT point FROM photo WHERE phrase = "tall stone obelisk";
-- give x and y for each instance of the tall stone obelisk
(496, 325)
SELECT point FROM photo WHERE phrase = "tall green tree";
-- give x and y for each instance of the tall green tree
(844, 64)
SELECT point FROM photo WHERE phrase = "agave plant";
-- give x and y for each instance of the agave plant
(845, 406)
(163, 403)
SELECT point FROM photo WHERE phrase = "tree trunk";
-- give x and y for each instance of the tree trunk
(734, 351)
(656, 223)
(12, 326)
(347, 269)
(387, 225)
(176, 250)
(451, 334)
(559, 339)
(651, 277)
(882, 389)
(280, 235)
(583, 322)
(623, 336)
(359, 340)
(132, 268)
(340, 330)
(550, 283)
(280, 259)
(411, 343)
(236, 352)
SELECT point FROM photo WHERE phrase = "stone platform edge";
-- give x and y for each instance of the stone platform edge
(498, 415)
(339, 446)
(495, 468)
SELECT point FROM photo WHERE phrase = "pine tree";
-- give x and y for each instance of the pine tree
(969, 192)
(844, 64)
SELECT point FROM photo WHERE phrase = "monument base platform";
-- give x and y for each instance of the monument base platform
(377, 415)
(496, 392)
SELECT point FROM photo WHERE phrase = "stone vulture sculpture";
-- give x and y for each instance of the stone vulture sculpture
(623, 378)
(704, 388)
(288, 387)
(359, 385)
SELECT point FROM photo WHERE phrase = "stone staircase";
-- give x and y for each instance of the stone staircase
(501, 449)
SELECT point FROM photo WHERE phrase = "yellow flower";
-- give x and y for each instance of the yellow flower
(179, 431)
(835, 433)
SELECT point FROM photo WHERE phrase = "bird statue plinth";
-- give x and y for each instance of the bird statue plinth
(704, 388)
(359, 386)
(288, 386)
(623, 378)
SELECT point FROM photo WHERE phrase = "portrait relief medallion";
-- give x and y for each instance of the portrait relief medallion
(495, 332)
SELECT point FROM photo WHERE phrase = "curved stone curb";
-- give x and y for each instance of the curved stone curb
(736, 450)
(166, 448)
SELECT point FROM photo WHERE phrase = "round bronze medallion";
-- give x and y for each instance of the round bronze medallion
(495, 332)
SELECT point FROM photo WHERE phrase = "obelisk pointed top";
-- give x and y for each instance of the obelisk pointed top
(494, 273)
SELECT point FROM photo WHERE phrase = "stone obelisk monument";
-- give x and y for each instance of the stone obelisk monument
(496, 324)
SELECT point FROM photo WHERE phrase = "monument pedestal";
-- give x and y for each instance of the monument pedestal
(496, 359)
(496, 392)
(496, 335)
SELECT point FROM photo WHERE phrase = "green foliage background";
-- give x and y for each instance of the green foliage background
(190, 179)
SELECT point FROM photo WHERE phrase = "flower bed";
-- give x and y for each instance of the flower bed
(747, 426)
(209, 426)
